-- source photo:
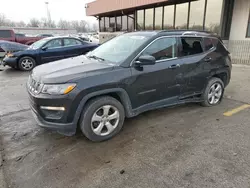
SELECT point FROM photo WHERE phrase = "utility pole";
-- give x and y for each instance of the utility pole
(48, 12)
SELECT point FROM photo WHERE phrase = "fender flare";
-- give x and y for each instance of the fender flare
(125, 100)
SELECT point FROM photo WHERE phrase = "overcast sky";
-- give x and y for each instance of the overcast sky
(24, 10)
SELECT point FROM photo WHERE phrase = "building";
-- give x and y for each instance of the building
(38, 30)
(228, 18)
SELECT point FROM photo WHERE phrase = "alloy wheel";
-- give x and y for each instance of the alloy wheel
(105, 120)
(27, 64)
(215, 93)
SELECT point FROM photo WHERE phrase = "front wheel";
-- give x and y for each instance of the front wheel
(26, 63)
(213, 93)
(102, 118)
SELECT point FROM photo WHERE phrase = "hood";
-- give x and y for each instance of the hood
(12, 46)
(63, 71)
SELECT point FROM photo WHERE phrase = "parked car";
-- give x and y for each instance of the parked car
(94, 38)
(44, 35)
(130, 74)
(47, 50)
(9, 35)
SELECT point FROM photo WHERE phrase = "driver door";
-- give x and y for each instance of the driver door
(52, 51)
(154, 83)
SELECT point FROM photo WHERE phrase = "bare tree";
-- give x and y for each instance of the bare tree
(3, 20)
(20, 24)
(34, 23)
(46, 23)
(63, 24)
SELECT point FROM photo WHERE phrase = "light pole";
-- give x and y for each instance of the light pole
(48, 12)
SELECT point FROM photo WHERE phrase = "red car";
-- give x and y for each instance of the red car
(9, 35)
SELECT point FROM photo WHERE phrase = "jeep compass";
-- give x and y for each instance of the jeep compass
(130, 74)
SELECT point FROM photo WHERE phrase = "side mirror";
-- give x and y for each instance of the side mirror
(145, 60)
(44, 48)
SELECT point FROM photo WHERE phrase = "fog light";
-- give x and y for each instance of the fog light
(52, 112)
(52, 108)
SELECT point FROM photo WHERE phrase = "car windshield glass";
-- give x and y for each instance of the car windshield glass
(39, 44)
(119, 48)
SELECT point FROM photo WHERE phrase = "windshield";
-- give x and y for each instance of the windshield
(39, 43)
(119, 48)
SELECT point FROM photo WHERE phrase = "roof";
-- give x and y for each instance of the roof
(100, 7)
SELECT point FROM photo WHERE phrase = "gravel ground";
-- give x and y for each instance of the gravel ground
(185, 146)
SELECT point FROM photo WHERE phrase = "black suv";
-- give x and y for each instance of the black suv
(130, 74)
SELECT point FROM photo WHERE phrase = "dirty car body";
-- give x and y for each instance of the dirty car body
(164, 68)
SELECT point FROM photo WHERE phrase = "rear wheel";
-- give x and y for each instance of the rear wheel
(214, 92)
(26, 63)
(102, 118)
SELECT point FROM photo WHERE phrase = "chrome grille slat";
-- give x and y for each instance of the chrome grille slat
(34, 86)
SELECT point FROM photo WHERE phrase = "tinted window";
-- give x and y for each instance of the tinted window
(191, 46)
(181, 16)
(5, 34)
(213, 15)
(124, 23)
(102, 24)
(118, 23)
(131, 26)
(71, 42)
(164, 48)
(149, 15)
(56, 43)
(140, 19)
(208, 44)
(196, 15)
(112, 25)
(169, 17)
(158, 18)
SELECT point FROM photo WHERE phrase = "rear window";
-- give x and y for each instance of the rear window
(5, 34)
(208, 44)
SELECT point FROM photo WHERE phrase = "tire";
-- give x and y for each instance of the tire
(26, 63)
(213, 94)
(97, 130)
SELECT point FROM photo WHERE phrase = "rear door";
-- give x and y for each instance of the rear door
(194, 60)
(52, 51)
(72, 47)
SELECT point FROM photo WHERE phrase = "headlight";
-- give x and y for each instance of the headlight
(10, 55)
(59, 89)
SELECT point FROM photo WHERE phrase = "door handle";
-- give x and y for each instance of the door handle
(208, 59)
(174, 66)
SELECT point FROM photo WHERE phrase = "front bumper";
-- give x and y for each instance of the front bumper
(10, 61)
(64, 123)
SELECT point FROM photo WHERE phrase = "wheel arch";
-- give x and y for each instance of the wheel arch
(117, 93)
(26, 55)
(223, 74)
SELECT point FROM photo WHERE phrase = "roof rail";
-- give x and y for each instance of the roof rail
(190, 33)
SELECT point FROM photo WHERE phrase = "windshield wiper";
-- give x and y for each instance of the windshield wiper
(95, 57)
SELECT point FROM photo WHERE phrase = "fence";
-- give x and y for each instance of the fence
(240, 50)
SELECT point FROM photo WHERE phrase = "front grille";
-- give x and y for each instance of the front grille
(34, 86)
